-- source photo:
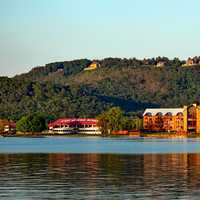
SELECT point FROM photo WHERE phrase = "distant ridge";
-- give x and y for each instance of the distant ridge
(65, 89)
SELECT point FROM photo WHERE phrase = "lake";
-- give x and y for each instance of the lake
(116, 145)
(99, 168)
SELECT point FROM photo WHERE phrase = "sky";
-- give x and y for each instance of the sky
(37, 32)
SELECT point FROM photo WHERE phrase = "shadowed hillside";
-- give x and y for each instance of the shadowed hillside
(65, 89)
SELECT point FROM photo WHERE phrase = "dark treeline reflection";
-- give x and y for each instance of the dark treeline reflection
(97, 176)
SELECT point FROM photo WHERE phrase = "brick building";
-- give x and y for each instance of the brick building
(185, 119)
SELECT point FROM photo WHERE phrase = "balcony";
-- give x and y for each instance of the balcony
(192, 119)
(191, 127)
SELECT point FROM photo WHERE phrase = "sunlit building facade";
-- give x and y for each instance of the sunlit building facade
(186, 119)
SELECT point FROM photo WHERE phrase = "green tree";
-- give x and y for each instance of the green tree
(115, 120)
(127, 83)
(23, 124)
(31, 123)
(132, 123)
(111, 120)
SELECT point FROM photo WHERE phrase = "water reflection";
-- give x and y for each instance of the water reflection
(99, 176)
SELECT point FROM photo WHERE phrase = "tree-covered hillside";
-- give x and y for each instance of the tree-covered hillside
(63, 89)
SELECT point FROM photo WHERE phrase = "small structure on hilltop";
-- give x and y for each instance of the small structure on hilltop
(189, 62)
(160, 64)
(94, 65)
(192, 61)
(146, 61)
(74, 126)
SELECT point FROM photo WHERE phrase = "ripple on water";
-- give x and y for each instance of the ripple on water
(99, 176)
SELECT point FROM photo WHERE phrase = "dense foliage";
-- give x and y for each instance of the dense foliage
(31, 123)
(63, 89)
(115, 120)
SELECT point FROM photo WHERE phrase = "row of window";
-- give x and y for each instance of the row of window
(76, 132)
(77, 126)
(164, 127)
(161, 114)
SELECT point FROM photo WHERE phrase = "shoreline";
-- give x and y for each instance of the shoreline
(142, 135)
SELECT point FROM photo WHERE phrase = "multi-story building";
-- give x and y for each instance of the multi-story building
(163, 119)
(185, 119)
(192, 118)
(74, 126)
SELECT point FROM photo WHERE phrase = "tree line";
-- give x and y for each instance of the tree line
(129, 84)
(113, 119)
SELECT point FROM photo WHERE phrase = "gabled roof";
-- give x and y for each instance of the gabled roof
(164, 111)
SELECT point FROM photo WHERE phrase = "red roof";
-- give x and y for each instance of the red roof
(73, 122)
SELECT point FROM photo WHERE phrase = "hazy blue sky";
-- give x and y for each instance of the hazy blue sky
(36, 32)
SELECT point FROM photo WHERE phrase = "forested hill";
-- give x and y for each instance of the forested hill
(64, 89)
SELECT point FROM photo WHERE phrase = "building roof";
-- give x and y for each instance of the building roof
(164, 111)
(73, 121)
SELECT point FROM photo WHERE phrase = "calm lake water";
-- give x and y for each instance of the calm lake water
(119, 145)
(99, 168)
